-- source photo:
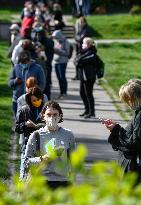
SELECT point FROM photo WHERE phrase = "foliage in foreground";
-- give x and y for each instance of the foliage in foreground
(102, 184)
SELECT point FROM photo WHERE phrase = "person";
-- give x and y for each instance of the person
(86, 63)
(30, 82)
(28, 118)
(61, 51)
(56, 176)
(127, 141)
(14, 32)
(48, 44)
(82, 30)
(19, 74)
(23, 45)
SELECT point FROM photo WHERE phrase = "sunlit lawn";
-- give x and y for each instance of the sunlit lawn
(5, 110)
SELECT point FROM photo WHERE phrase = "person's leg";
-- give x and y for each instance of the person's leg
(84, 98)
(63, 78)
(14, 107)
(47, 90)
(86, 7)
(89, 92)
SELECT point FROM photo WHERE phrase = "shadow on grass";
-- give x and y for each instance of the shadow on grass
(95, 33)
(5, 91)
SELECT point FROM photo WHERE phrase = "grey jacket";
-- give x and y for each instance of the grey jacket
(56, 170)
(61, 53)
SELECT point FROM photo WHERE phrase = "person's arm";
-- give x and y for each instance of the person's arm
(130, 137)
(20, 122)
(60, 52)
(13, 79)
(41, 78)
(87, 59)
(30, 152)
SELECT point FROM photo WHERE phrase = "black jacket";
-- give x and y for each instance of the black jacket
(128, 142)
(27, 112)
(86, 62)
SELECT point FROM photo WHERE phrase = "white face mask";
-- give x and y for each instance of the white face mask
(52, 122)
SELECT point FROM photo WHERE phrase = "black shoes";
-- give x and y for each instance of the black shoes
(75, 78)
(83, 114)
(89, 116)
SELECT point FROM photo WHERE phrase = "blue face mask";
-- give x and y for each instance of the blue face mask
(24, 66)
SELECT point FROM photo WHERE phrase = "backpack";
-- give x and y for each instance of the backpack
(70, 51)
(99, 67)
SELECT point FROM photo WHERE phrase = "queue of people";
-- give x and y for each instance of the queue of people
(37, 116)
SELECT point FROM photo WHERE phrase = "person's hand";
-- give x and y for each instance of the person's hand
(110, 124)
(29, 124)
(45, 157)
(18, 80)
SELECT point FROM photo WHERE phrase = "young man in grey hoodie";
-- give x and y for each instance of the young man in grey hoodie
(61, 50)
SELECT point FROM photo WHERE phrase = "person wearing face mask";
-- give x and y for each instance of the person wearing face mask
(61, 50)
(56, 175)
(20, 73)
(28, 117)
(86, 63)
(127, 141)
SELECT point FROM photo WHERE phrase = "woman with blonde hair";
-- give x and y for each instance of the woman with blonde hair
(86, 63)
(127, 141)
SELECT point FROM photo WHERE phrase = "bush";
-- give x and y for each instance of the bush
(136, 9)
(102, 184)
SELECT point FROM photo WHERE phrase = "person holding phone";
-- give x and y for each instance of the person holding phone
(61, 139)
(29, 117)
(127, 141)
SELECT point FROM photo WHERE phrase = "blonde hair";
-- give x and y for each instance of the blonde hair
(89, 41)
(130, 93)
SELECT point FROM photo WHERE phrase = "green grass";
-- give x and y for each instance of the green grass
(115, 26)
(122, 62)
(6, 15)
(5, 111)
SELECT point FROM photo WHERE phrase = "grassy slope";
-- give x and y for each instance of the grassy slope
(7, 14)
(115, 26)
(122, 62)
(5, 110)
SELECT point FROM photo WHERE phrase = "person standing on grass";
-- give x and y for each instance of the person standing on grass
(127, 141)
(36, 153)
(86, 63)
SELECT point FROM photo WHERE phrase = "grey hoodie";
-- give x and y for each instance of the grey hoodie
(59, 169)
(61, 54)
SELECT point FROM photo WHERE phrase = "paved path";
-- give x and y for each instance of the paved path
(89, 132)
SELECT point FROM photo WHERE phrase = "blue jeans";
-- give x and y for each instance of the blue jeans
(14, 107)
(86, 7)
(60, 70)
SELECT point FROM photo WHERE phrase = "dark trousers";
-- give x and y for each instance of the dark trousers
(14, 107)
(47, 90)
(86, 93)
(57, 184)
(60, 70)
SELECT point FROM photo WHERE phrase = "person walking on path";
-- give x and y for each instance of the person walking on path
(86, 62)
(61, 50)
(56, 175)
(128, 141)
